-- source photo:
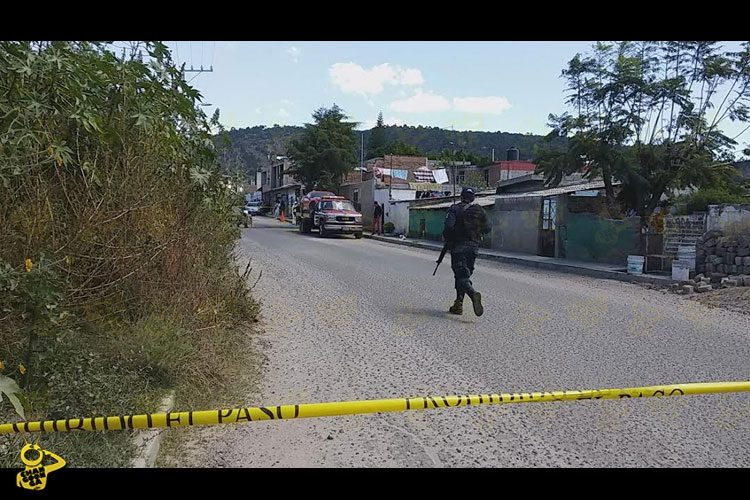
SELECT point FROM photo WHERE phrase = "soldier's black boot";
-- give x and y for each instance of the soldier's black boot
(458, 306)
(476, 301)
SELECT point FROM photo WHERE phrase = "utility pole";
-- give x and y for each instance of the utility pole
(453, 160)
(201, 70)
(362, 158)
(390, 183)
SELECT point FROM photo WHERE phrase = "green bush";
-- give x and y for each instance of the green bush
(699, 201)
(111, 188)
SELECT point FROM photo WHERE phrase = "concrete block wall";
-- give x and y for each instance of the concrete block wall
(682, 230)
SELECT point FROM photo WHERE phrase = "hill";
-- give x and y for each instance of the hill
(249, 148)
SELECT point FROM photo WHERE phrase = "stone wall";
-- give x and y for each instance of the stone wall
(719, 255)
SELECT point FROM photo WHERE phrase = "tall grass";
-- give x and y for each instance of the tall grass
(110, 188)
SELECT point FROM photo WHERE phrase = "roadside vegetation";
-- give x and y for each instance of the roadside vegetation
(118, 281)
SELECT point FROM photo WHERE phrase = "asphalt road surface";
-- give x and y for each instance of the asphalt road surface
(351, 319)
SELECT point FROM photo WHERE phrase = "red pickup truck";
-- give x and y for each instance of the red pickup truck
(329, 214)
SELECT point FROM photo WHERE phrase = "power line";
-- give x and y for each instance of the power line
(201, 69)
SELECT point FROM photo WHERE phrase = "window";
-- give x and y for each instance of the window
(336, 205)
(549, 213)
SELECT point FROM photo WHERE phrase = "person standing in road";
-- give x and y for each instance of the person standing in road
(465, 225)
(377, 219)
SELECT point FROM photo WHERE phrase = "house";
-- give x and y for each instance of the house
(565, 222)
(507, 169)
(278, 186)
(534, 182)
(520, 184)
(427, 220)
(388, 179)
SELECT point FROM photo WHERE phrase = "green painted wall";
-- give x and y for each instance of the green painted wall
(588, 237)
(434, 221)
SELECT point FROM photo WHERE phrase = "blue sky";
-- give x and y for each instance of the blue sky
(488, 86)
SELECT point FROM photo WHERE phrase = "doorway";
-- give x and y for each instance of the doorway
(547, 227)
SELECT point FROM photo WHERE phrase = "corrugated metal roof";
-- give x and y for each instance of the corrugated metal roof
(482, 202)
(490, 200)
(522, 165)
(558, 190)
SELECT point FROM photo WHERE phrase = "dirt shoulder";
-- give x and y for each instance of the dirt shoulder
(734, 299)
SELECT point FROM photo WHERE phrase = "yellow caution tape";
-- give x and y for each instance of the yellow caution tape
(285, 412)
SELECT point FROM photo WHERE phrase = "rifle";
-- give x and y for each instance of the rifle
(442, 255)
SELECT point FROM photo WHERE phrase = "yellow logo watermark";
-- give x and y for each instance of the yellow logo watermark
(34, 475)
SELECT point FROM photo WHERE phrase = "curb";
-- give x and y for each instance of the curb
(147, 442)
(565, 268)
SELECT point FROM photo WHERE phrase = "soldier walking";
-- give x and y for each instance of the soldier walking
(465, 225)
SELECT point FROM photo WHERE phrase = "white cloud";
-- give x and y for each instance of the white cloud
(258, 110)
(283, 113)
(370, 124)
(367, 125)
(286, 102)
(411, 76)
(393, 120)
(229, 45)
(354, 79)
(294, 53)
(421, 102)
(492, 105)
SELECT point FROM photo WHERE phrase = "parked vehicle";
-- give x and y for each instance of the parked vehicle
(253, 208)
(329, 214)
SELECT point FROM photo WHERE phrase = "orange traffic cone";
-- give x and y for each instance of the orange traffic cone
(282, 216)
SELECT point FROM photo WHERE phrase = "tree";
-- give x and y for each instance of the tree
(648, 114)
(401, 148)
(376, 145)
(475, 179)
(325, 152)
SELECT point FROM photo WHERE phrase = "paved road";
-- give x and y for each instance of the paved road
(359, 319)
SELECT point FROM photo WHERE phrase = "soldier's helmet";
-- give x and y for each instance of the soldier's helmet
(467, 194)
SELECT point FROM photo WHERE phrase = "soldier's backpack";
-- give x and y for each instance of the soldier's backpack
(471, 224)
